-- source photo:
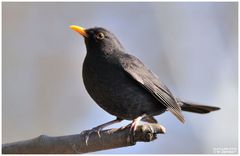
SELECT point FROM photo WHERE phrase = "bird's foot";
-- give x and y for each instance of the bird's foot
(98, 129)
(89, 132)
(134, 124)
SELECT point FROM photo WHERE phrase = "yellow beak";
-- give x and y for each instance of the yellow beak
(80, 30)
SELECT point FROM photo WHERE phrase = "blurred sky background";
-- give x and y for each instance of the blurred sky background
(192, 47)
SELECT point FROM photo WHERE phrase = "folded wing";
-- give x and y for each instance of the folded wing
(138, 71)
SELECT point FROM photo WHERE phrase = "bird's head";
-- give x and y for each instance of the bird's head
(99, 39)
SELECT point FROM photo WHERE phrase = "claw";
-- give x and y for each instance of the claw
(99, 128)
(89, 132)
(134, 124)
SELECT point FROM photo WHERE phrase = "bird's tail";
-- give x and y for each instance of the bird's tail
(195, 108)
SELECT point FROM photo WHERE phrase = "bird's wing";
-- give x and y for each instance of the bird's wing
(139, 72)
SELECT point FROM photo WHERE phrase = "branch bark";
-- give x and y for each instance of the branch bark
(85, 142)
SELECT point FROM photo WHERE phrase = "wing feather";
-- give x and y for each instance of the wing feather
(137, 70)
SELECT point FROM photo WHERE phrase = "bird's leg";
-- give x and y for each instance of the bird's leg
(135, 123)
(100, 127)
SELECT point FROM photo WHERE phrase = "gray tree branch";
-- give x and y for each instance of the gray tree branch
(84, 142)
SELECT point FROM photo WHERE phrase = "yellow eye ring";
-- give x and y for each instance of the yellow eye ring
(100, 36)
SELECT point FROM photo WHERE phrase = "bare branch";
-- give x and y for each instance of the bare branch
(108, 139)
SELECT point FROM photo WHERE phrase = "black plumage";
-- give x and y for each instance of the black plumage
(122, 85)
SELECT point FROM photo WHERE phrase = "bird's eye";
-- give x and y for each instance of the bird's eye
(100, 36)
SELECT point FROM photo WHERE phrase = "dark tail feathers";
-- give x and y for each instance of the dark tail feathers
(189, 107)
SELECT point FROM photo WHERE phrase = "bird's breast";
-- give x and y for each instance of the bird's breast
(102, 79)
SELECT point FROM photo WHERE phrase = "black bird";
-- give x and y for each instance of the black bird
(123, 86)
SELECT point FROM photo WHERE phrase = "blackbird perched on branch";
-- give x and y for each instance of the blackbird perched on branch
(123, 86)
